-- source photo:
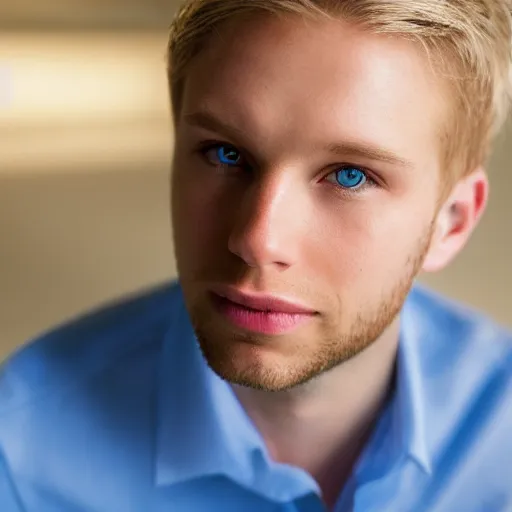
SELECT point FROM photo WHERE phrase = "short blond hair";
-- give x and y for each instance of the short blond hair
(469, 41)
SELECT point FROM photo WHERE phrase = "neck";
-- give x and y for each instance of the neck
(322, 426)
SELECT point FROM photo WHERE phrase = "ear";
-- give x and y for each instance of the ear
(456, 220)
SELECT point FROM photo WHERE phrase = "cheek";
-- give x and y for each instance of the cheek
(363, 246)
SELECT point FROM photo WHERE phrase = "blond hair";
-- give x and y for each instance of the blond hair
(469, 41)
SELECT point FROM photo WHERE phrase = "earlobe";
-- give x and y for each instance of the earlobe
(457, 220)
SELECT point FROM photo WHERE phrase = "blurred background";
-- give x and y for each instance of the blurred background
(85, 147)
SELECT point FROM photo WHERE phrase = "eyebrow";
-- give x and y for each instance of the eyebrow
(369, 151)
(355, 149)
(209, 122)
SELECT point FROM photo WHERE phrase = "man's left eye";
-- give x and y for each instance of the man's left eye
(349, 177)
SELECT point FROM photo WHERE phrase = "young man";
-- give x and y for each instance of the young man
(327, 151)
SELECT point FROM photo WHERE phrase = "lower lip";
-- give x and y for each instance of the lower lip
(261, 322)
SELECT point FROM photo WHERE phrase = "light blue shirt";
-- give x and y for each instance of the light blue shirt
(118, 412)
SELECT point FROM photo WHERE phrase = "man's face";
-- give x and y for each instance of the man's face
(306, 168)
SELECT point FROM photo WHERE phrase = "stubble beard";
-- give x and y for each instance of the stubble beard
(332, 349)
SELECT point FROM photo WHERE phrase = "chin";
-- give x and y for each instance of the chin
(241, 362)
(262, 366)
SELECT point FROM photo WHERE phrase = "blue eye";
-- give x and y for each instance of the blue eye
(351, 178)
(227, 155)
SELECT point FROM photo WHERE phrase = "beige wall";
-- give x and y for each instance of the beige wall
(84, 167)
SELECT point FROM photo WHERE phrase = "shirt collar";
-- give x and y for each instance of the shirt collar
(409, 408)
(444, 356)
(214, 436)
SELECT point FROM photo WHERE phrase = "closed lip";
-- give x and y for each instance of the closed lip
(261, 302)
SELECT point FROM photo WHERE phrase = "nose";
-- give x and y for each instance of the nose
(267, 227)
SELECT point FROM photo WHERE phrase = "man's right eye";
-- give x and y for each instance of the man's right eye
(223, 154)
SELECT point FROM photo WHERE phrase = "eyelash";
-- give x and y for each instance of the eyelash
(207, 146)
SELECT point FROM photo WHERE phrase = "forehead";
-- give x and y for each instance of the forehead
(300, 81)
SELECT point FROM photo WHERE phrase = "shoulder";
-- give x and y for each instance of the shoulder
(453, 328)
(87, 345)
(81, 393)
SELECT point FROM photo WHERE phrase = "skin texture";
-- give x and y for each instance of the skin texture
(300, 100)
